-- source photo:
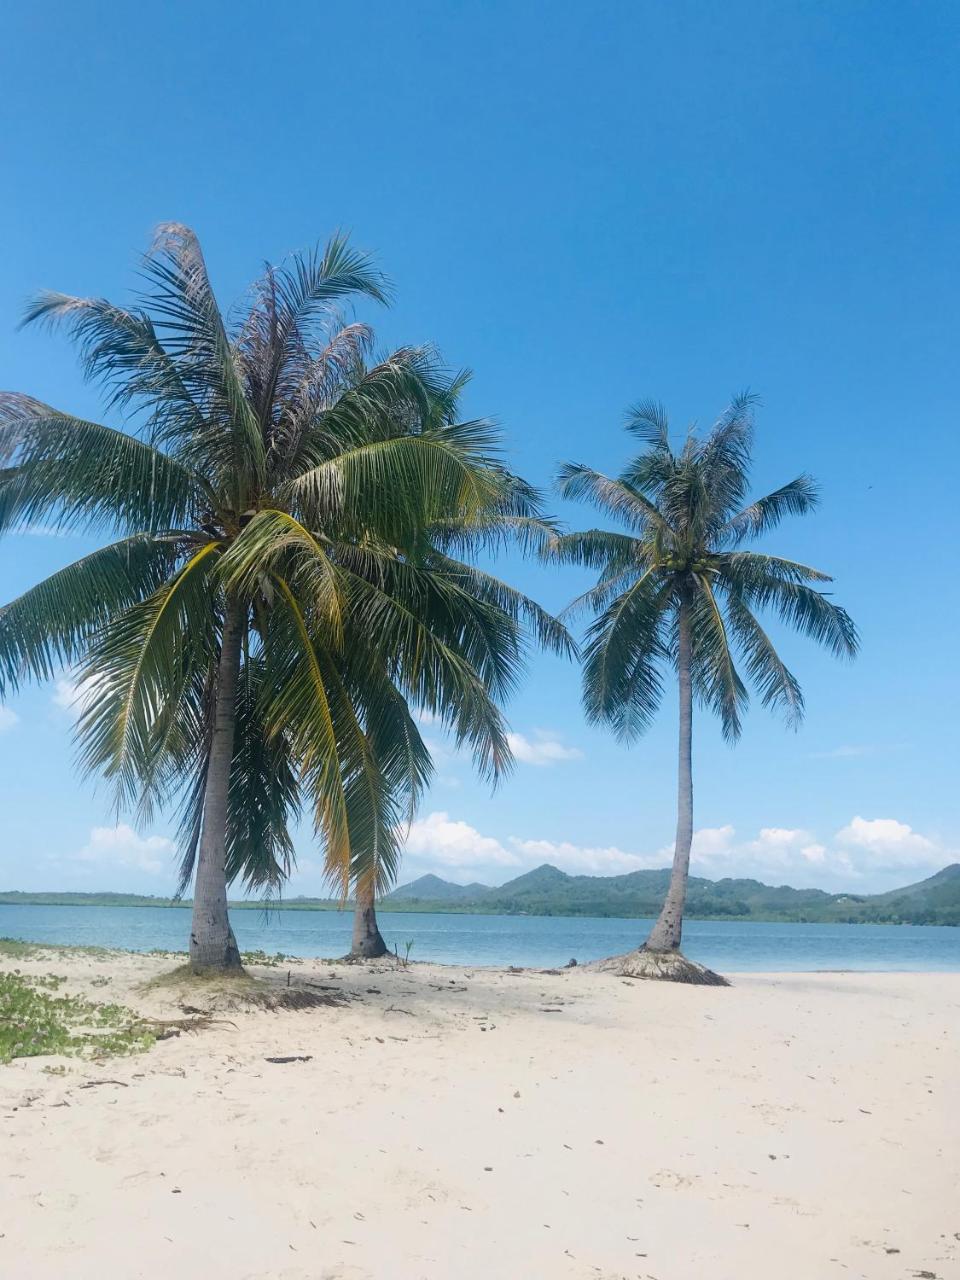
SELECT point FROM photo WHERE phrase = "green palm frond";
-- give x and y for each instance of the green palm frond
(134, 665)
(71, 474)
(299, 705)
(550, 633)
(622, 684)
(401, 754)
(493, 533)
(777, 685)
(810, 613)
(264, 796)
(121, 350)
(714, 670)
(724, 457)
(188, 319)
(618, 498)
(374, 808)
(391, 398)
(276, 344)
(648, 421)
(598, 549)
(374, 484)
(434, 627)
(275, 542)
(745, 568)
(51, 624)
(794, 499)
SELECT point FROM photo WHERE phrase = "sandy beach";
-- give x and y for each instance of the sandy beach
(474, 1123)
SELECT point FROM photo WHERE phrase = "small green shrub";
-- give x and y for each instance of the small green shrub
(17, 950)
(271, 962)
(33, 1022)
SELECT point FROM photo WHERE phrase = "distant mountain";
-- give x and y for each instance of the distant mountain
(549, 891)
(941, 892)
(433, 889)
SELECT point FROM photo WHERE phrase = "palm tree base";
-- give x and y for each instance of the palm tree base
(662, 966)
(218, 958)
(369, 951)
(217, 971)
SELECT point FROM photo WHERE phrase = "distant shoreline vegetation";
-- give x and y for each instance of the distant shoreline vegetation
(547, 891)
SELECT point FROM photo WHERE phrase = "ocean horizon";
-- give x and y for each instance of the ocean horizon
(483, 940)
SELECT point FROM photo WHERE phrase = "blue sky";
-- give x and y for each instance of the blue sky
(586, 204)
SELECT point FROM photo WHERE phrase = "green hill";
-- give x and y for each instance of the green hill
(433, 889)
(548, 891)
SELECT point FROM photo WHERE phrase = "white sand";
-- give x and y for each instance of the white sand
(796, 1127)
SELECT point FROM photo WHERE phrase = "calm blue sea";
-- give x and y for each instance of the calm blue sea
(531, 941)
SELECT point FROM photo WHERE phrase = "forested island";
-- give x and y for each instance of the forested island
(548, 891)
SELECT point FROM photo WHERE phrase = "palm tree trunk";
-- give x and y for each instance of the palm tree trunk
(665, 934)
(213, 948)
(368, 941)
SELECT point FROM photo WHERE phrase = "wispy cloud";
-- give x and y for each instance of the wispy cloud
(542, 750)
(73, 695)
(43, 531)
(121, 846)
(8, 719)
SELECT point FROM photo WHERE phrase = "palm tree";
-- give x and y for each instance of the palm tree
(248, 636)
(676, 592)
(447, 553)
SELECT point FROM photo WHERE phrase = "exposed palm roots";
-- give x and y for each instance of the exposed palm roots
(662, 966)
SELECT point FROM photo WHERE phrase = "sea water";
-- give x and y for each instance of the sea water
(530, 941)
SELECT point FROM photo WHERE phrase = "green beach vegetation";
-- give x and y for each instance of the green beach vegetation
(35, 1020)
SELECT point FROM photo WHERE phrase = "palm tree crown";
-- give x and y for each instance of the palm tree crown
(687, 518)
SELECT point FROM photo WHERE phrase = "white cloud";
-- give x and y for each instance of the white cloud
(543, 749)
(861, 849)
(584, 859)
(889, 843)
(866, 854)
(8, 719)
(709, 842)
(444, 842)
(121, 846)
(73, 695)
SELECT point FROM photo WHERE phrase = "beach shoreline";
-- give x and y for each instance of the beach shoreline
(441, 1120)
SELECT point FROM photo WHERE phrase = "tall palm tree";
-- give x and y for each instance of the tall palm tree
(448, 551)
(676, 592)
(262, 611)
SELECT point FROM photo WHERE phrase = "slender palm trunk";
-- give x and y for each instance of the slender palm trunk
(213, 948)
(665, 934)
(367, 942)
